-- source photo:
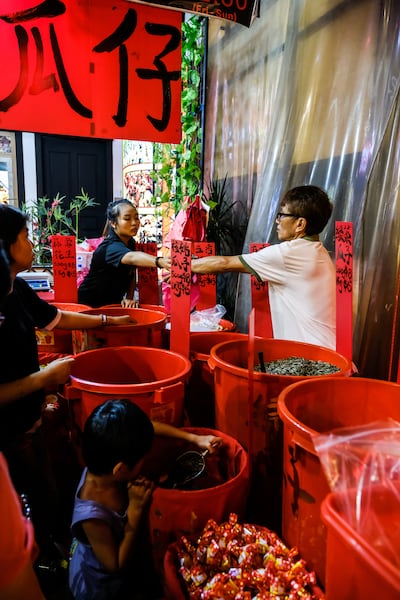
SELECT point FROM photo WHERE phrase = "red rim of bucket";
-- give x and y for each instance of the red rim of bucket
(115, 311)
(124, 388)
(287, 416)
(215, 360)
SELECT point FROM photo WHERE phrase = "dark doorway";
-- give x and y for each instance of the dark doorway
(65, 165)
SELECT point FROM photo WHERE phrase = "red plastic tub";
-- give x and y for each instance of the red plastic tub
(229, 361)
(357, 566)
(319, 405)
(176, 512)
(147, 331)
(152, 378)
(58, 341)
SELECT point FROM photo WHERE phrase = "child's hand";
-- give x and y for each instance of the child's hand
(209, 442)
(139, 494)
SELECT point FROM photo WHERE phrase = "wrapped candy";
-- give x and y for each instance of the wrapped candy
(230, 561)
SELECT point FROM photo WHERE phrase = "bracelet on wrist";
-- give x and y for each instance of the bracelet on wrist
(158, 258)
(103, 320)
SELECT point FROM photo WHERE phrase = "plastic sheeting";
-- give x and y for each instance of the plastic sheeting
(310, 95)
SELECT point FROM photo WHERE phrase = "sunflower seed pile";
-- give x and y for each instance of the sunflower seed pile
(298, 366)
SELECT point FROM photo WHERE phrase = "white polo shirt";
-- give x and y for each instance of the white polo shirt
(302, 291)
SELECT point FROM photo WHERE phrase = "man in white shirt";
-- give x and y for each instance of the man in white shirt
(300, 273)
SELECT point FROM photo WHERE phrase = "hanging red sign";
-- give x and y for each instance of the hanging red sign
(181, 280)
(148, 277)
(208, 281)
(260, 301)
(91, 68)
(64, 268)
(344, 287)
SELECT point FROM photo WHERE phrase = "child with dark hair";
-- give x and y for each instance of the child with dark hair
(112, 274)
(111, 500)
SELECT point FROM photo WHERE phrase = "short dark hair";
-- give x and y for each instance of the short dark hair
(310, 202)
(12, 222)
(116, 431)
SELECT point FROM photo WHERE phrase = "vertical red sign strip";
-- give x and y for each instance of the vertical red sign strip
(344, 287)
(148, 277)
(250, 367)
(64, 268)
(260, 301)
(207, 282)
(181, 257)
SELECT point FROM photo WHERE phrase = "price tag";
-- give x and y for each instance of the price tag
(64, 268)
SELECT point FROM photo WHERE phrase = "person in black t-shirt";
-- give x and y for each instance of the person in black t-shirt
(23, 385)
(111, 278)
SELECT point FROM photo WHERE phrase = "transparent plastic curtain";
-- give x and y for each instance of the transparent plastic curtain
(309, 95)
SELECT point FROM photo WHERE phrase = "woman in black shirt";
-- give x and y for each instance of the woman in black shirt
(111, 277)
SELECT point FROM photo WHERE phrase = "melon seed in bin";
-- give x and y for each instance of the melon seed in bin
(319, 405)
(229, 361)
(151, 377)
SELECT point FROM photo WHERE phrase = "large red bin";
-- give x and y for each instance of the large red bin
(151, 377)
(229, 361)
(306, 408)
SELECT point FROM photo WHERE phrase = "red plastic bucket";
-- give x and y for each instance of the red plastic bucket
(200, 394)
(231, 377)
(152, 378)
(319, 405)
(58, 341)
(176, 512)
(356, 566)
(147, 331)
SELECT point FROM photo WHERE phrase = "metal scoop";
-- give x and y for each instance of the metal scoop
(187, 467)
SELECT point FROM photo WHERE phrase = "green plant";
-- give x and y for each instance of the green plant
(49, 218)
(223, 228)
(178, 166)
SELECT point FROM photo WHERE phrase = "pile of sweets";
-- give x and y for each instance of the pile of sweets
(243, 562)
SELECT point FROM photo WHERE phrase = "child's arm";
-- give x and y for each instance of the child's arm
(113, 556)
(209, 442)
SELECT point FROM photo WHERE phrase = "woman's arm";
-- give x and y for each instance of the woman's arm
(54, 374)
(76, 320)
(141, 259)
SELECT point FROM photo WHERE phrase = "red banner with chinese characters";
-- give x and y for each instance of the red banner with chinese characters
(181, 281)
(344, 288)
(63, 248)
(148, 277)
(91, 68)
(207, 281)
(260, 301)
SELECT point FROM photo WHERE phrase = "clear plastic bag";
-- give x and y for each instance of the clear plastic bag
(362, 465)
(207, 319)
